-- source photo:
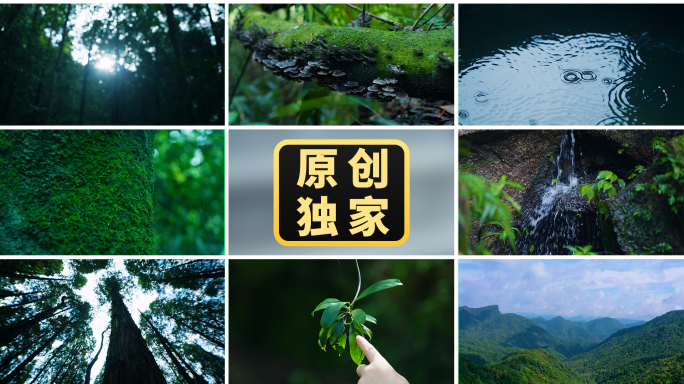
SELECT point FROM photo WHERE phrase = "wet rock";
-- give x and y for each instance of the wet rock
(664, 232)
(525, 161)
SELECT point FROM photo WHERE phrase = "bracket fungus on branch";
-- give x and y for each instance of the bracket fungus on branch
(358, 61)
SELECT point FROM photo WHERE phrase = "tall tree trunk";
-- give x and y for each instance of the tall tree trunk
(7, 25)
(55, 76)
(181, 79)
(211, 274)
(27, 302)
(117, 79)
(68, 361)
(209, 338)
(7, 379)
(129, 361)
(220, 50)
(14, 330)
(29, 277)
(169, 351)
(5, 293)
(90, 366)
(36, 99)
(47, 363)
(105, 210)
(86, 71)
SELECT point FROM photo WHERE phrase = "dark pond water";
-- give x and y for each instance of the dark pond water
(571, 64)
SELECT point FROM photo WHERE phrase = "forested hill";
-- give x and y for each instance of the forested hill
(112, 322)
(112, 64)
(532, 366)
(488, 323)
(648, 353)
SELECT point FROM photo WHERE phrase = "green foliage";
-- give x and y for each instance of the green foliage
(486, 205)
(530, 366)
(603, 187)
(189, 192)
(339, 316)
(586, 250)
(670, 183)
(143, 90)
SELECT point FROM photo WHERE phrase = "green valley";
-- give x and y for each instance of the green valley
(509, 348)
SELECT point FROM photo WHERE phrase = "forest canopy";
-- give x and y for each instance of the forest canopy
(112, 321)
(114, 64)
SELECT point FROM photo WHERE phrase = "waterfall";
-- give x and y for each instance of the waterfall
(558, 215)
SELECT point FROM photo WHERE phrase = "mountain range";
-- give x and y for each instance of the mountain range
(584, 319)
(495, 348)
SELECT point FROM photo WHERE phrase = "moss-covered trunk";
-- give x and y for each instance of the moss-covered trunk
(353, 60)
(129, 361)
(76, 192)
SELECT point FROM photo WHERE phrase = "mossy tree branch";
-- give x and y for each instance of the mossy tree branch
(349, 60)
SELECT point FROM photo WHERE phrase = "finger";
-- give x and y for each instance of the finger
(368, 349)
(360, 369)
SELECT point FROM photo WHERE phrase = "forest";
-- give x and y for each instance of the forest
(509, 348)
(373, 64)
(112, 321)
(112, 64)
(113, 192)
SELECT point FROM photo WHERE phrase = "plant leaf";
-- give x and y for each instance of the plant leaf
(330, 314)
(379, 286)
(354, 349)
(359, 316)
(324, 305)
(371, 319)
(368, 332)
(337, 331)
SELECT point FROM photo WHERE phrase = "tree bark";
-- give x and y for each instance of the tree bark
(169, 351)
(180, 65)
(361, 54)
(26, 361)
(129, 361)
(71, 192)
(90, 366)
(55, 76)
(14, 330)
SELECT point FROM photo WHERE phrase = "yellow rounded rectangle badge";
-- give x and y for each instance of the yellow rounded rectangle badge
(337, 193)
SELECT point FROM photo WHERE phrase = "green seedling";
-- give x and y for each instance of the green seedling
(340, 319)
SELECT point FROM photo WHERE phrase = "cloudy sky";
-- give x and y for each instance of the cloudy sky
(634, 289)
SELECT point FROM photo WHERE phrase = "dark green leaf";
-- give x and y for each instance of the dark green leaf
(354, 350)
(379, 286)
(330, 314)
(324, 305)
(359, 316)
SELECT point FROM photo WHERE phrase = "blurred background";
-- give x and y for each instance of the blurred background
(251, 191)
(273, 337)
(262, 98)
(189, 191)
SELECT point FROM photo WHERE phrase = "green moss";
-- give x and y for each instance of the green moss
(424, 78)
(77, 192)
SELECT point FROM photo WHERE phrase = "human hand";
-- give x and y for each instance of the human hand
(379, 371)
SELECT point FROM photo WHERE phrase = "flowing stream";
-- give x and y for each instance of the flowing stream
(558, 215)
